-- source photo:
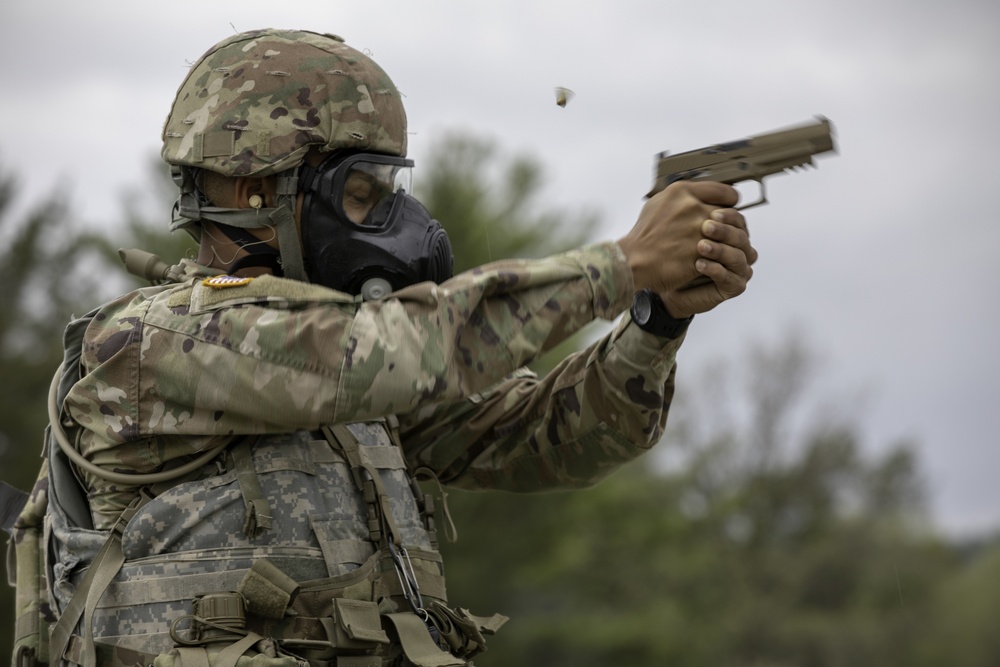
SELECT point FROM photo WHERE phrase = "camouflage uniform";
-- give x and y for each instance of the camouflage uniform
(170, 371)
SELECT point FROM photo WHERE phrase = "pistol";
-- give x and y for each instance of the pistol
(749, 159)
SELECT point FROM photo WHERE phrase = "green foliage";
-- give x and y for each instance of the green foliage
(41, 270)
(759, 545)
(963, 627)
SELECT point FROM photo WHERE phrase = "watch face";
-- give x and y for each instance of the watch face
(642, 308)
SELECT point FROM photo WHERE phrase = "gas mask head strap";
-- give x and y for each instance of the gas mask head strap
(283, 217)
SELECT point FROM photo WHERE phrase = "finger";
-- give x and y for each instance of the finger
(732, 259)
(728, 283)
(726, 234)
(711, 192)
(731, 217)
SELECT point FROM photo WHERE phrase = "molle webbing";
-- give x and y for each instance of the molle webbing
(370, 459)
(258, 511)
(286, 601)
(369, 482)
(425, 501)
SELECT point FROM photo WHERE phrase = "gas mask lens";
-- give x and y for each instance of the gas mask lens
(364, 187)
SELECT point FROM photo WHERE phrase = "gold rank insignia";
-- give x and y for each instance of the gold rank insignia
(221, 282)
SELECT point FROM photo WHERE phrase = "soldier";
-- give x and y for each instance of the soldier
(233, 453)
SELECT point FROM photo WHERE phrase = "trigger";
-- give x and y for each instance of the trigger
(761, 200)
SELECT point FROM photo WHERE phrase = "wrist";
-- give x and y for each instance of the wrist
(651, 315)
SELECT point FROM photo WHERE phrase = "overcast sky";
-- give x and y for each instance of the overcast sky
(885, 258)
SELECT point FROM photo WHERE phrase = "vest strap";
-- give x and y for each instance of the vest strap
(369, 482)
(258, 512)
(84, 602)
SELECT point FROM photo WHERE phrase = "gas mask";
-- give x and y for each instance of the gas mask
(362, 233)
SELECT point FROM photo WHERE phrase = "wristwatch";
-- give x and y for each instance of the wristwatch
(649, 314)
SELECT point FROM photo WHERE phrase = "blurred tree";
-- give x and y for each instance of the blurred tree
(489, 203)
(47, 269)
(761, 544)
(965, 610)
(42, 271)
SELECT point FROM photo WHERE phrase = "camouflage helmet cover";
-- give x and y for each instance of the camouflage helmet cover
(256, 102)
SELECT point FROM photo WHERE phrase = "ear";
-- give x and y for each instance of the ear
(247, 186)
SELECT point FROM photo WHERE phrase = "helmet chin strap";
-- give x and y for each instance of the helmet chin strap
(259, 253)
(281, 218)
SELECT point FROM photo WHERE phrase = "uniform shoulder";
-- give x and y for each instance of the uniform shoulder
(224, 291)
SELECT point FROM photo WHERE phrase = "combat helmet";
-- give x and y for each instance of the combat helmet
(255, 104)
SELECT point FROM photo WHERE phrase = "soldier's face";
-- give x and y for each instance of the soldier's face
(361, 193)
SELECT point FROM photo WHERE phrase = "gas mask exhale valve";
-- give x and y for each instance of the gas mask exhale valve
(362, 233)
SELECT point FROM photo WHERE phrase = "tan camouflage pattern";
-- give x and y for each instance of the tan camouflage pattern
(171, 371)
(189, 541)
(256, 102)
(32, 610)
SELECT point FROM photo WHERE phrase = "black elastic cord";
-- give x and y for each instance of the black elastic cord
(259, 253)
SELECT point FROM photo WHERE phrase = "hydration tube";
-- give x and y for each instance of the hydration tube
(131, 479)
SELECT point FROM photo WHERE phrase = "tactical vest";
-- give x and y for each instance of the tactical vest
(307, 548)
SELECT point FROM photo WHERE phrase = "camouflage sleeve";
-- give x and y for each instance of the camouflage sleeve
(599, 408)
(273, 355)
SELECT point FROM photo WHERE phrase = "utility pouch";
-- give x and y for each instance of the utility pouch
(462, 630)
(195, 657)
(418, 646)
(31, 629)
(219, 638)
(358, 625)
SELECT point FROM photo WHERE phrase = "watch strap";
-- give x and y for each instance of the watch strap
(659, 320)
